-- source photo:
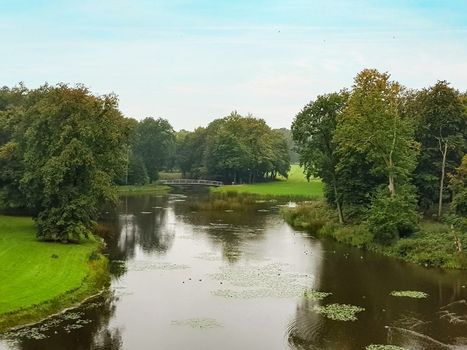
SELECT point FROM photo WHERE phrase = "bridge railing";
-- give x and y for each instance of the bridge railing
(190, 182)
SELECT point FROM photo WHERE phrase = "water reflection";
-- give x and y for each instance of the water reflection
(178, 270)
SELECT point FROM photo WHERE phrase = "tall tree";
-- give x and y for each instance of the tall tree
(441, 131)
(154, 142)
(371, 123)
(313, 132)
(73, 146)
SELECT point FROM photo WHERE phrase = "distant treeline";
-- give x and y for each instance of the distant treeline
(231, 149)
(62, 149)
(386, 153)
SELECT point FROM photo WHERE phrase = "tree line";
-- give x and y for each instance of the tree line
(387, 153)
(62, 150)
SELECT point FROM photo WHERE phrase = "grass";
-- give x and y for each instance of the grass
(295, 186)
(432, 245)
(150, 188)
(39, 278)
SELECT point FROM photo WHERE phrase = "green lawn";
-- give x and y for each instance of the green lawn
(295, 186)
(39, 278)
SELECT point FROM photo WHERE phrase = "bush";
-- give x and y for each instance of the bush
(390, 218)
(312, 216)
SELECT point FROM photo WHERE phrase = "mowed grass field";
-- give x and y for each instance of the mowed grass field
(295, 186)
(41, 277)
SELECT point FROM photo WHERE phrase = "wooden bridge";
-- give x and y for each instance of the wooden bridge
(190, 182)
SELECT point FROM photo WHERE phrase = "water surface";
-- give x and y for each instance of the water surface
(185, 278)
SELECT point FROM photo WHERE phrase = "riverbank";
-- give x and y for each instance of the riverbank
(42, 278)
(295, 185)
(150, 188)
(432, 245)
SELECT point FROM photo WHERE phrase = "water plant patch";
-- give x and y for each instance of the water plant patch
(339, 312)
(409, 294)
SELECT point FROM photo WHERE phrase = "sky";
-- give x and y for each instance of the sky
(193, 61)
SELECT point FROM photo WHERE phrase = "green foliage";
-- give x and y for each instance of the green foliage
(409, 294)
(154, 144)
(311, 216)
(354, 235)
(458, 186)
(313, 131)
(67, 145)
(137, 172)
(339, 312)
(372, 124)
(391, 217)
(433, 245)
(233, 149)
(441, 120)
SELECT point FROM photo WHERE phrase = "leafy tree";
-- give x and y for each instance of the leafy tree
(458, 185)
(154, 142)
(288, 136)
(441, 131)
(190, 152)
(137, 173)
(371, 124)
(72, 145)
(313, 131)
(244, 149)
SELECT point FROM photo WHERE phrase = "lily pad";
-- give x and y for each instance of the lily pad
(339, 312)
(409, 294)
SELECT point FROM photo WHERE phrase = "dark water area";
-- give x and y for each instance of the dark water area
(184, 278)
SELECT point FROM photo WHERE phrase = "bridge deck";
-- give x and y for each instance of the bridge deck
(190, 182)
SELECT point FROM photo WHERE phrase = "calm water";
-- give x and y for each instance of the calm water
(187, 279)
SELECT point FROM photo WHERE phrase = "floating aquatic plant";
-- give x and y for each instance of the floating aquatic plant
(384, 347)
(315, 295)
(270, 280)
(142, 265)
(198, 323)
(409, 294)
(339, 312)
(39, 331)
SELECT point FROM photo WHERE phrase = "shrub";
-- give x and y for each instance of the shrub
(392, 217)
(312, 216)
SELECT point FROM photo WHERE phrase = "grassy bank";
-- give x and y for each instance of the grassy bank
(432, 245)
(150, 188)
(295, 186)
(39, 278)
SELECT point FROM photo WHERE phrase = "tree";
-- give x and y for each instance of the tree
(371, 123)
(441, 131)
(458, 216)
(190, 152)
(313, 132)
(154, 142)
(244, 149)
(73, 144)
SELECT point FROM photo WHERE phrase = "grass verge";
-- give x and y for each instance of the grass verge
(38, 278)
(432, 245)
(295, 186)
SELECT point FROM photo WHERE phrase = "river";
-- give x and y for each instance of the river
(188, 278)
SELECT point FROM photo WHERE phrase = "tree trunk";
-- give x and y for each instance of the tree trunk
(441, 184)
(391, 186)
(338, 204)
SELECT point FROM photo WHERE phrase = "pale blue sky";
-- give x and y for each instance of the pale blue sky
(193, 61)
